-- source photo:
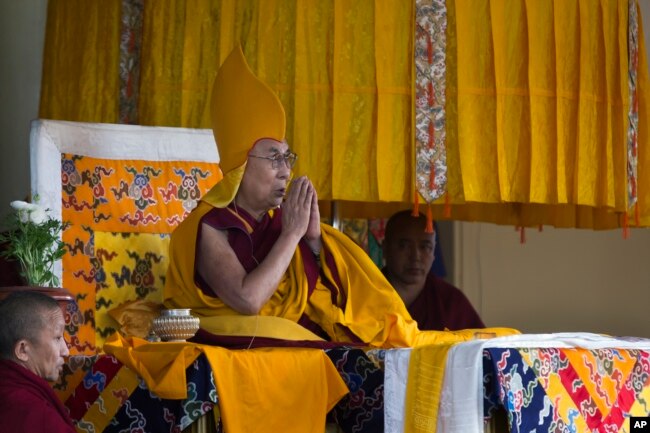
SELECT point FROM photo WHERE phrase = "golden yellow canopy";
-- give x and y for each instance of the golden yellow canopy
(537, 95)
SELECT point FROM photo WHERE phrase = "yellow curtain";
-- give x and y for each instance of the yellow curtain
(342, 70)
(81, 61)
(537, 131)
(537, 95)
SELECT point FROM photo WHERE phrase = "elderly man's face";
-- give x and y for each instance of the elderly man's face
(46, 354)
(409, 253)
(263, 184)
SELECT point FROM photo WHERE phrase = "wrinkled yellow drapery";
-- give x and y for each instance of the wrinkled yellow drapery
(249, 383)
(541, 95)
(537, 96)
(342, 70)
(81, 61)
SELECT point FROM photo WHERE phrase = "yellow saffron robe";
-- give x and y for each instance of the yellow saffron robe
(371, 309)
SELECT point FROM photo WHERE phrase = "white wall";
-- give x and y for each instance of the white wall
(558, 280)
(22, 30)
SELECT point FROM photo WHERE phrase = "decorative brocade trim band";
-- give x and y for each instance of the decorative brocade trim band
(130, 50)
(430, 83)
(633, 112)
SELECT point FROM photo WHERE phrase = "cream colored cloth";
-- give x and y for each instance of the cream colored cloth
(396, 370)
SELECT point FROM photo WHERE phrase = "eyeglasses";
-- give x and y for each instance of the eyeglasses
(289, 159)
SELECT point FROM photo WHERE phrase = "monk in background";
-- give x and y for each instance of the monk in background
(409, 255)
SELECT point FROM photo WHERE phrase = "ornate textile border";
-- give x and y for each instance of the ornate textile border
(130, 50)
(430, 83)
(633, 113)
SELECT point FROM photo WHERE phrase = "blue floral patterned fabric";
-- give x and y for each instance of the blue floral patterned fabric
(362, 410)
(126, 404)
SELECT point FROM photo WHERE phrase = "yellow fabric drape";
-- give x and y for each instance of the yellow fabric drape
(81, 61)
(373, 310)
(424, 387)
(260, 389)
(161, 366)
(342, 70)
(537, 95)
(250, 383)
(541, 95)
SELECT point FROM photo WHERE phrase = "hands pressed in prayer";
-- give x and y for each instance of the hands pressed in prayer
(312, 236)
(300, 212)
(296, 208)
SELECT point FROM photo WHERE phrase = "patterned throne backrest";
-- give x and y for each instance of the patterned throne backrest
(122, 189)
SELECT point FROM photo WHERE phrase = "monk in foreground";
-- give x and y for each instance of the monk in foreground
(32, 352)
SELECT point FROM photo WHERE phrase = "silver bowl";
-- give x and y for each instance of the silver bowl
(175, 325)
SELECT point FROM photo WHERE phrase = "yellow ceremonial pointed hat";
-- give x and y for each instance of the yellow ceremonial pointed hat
(244, 110)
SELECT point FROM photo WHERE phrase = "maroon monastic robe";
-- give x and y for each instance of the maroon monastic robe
(251, 248)
(28, 403)
(441, 306)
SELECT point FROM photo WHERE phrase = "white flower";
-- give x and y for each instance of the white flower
(33, 240)
(22, 209)
(38, 216)
(22, 205)
(29, 212)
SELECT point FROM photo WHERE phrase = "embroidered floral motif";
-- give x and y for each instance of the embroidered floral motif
(121, 214)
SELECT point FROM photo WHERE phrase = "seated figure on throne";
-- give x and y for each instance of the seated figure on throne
(254, 260)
